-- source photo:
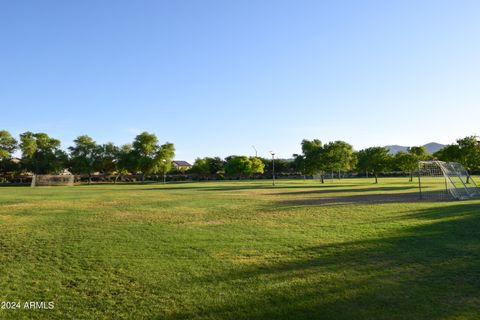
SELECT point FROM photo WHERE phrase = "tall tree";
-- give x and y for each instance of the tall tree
(85, 156)
(200, 167)
(109, 158)
(312, 157)
(299, 164)
(449, 153)
(215, 165)
(407, 162)
(41, 154)
(126, 162)
(238, 165)
(281, 165)
(469, 152)
(164, 157)
(145, 150)
(374, 160)
(466, 152)
(149, 155)
(8, 145)
(420, 153)
(337, 156)
(257, 165)
(208, 166)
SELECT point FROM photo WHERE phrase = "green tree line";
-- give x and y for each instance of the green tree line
(339, 157)
(41, 154)
(318, 159)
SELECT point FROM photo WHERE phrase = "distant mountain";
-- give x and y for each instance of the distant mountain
(394, 149)
(432, 147)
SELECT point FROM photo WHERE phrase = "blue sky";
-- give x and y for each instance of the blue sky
(216, 77)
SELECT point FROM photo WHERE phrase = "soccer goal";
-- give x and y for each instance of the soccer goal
(438, 180)
(52, 180)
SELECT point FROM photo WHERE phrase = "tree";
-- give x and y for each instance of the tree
(149, 155)
(256, 166)
(145, 148)
(207, 166)
(41, 154)
(469, 152)
(243, 166)
(215, 165)
(375, 160)
(238, 165)
(354, 160)
(109, 158)
(281, 165)
(317, 158)
(85, 156)
(420, 153)
(8, 145)
(407, 162)
(126, 161)
(466, 152)
(164, 157)
(299, 164)
(312, 157)
(200, 167)
(337, 156)
(449, 153)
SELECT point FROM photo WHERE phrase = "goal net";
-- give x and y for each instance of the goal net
(52, 180)
(438, 180)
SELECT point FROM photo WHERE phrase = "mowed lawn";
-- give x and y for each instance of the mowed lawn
(347, 249)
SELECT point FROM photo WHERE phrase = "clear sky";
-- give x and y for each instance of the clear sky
(216, 77)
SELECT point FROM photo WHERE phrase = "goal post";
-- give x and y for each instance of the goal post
(438, 180)
(52, 180)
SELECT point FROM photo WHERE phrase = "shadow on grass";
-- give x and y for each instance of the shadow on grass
(341, 188)
(428, 271)
(368, 198)
(206, 187)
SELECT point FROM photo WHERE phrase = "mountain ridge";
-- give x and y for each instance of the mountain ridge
(431, 147)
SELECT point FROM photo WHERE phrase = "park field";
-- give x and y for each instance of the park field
(348, 249)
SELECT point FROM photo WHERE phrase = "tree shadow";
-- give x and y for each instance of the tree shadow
(427, 271)
(342, 189)
(270, 187)
(369, 198)
(206, 187)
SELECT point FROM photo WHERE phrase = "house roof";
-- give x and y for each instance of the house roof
(181, 163)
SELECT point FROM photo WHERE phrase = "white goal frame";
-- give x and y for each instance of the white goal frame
(52, 180)
(439, 180)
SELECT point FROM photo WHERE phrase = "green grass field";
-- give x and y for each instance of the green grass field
(239, 250)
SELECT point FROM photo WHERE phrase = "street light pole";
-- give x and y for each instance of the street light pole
(255, 151)
(273, 167)
(164, 170)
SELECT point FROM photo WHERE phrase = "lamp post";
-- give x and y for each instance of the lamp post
(255, 151)
(273, 167)
(164, 170)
